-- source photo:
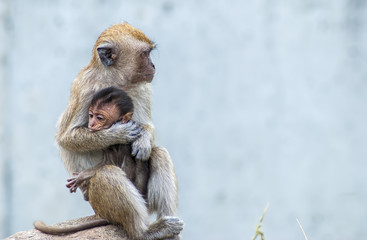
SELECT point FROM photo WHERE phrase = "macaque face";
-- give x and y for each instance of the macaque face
(138, 68)
(103, 117)
(145, 69)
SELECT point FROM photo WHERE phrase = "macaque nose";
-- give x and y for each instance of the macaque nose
(91, 124)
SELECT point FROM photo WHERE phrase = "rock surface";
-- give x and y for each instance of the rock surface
(110, 232)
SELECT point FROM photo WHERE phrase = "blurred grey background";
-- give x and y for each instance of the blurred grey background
(257, 101)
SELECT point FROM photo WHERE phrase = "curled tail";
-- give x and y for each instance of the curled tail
(41, 226)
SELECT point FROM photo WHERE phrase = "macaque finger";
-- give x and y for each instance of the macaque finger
(143, 154)
(135, 129)
(129, 132)
(73, 189)
(70, 184)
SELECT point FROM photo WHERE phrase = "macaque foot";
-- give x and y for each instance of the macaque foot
(166, 228)
(175, 225)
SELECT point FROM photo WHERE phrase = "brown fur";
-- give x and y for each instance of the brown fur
(119, 155)
(80, 149)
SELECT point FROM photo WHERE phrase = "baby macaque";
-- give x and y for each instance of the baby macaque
(108, 106)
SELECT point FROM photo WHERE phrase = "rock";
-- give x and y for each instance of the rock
(110, 232)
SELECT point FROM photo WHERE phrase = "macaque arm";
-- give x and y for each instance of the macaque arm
(81, 139)
(73, 134)
(142, 147)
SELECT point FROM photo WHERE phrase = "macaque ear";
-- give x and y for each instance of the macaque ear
(106, 55)
(127, 117)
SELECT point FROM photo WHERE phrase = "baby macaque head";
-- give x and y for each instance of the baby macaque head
(108, 106)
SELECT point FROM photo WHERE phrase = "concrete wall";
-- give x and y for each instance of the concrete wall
(257, 101)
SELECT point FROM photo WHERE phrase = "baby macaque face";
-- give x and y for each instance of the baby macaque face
(103, 117)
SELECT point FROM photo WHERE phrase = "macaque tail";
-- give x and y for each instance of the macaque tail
(41, 226)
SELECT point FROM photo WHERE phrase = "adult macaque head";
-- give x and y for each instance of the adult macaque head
(108, 106)
(128, 49)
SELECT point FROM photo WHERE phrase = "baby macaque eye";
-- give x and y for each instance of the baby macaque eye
(100, 118)
(90, 115)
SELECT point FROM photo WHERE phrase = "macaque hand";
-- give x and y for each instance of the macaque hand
(141, 147)
(127, 132)
(74, 182)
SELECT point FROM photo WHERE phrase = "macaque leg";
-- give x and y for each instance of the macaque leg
(114, 198)
(162, 184)
(142, 176)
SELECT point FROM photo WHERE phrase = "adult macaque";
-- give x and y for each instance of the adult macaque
(121, 58)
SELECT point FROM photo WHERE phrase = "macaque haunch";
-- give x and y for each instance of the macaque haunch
(108, 106)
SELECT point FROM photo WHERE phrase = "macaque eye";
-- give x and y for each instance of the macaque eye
(90, 115)
(100, 118)
(146, 53)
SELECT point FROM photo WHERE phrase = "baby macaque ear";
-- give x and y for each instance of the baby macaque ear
(127, 117)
